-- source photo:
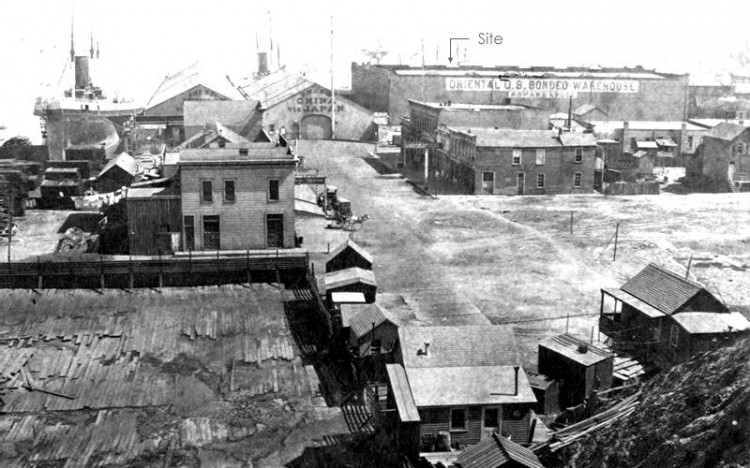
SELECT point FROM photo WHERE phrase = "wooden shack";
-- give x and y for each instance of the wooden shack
(349, 255)
(497, 452)
(350, 280)
(580, 367)
(368, 330)
(153, 220)
(118, 173)
(547, 392)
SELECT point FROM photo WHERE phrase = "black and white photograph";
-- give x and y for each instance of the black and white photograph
(385, 234)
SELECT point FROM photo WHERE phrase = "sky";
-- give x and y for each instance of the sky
(141, 41)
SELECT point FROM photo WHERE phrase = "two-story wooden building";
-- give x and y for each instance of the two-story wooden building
(517, 162)
(664, 318)
(238, 198)
(723, 161)
(456, 386)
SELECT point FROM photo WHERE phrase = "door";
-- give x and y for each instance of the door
(211, 233)
(316, 127)
(275, 230)
(488, 183)
(521, 182)
(189, 226)
(730, 171)
(490, 422)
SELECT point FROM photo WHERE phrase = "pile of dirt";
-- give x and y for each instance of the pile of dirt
(695, 415)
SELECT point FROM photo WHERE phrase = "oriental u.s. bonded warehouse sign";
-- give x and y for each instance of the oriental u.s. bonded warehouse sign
(541, 87)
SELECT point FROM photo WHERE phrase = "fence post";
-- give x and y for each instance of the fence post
(571, 222)
(131, 275)
(101, 272)
(161, 271)
(40, 280)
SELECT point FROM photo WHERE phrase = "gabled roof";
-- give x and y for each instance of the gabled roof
(580, 110)
(189, 78)
(364, 318)
(124, 161)
(453, 346)
(350, 244)
(276, 87)
(495, 452)
(569, 346)
(407, 410)
(463, 386)
(661, 288)
(726, 131)
(712, 322)
(230, 113)
(348, 276)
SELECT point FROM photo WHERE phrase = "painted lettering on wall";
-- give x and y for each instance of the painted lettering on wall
(314, 101)
(542, 87)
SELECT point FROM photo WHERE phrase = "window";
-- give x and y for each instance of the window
(275, 230)
(491, 417)
(541, 155)
(739, 148)
(229, 195)
(211, 232)
(189, 224)
(243, 152)
(272, 128)
(690, 142)
(540, 181)
(516, 157)
(633, 143)
(207, 191)
(579, 155)
(673, 335)
(458, 420)
(273, 190)
(577, 179)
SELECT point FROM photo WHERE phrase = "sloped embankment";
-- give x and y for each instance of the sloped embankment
(695, 415)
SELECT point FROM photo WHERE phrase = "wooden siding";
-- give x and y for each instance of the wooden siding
(347, 259)
(436, 420)
(517, 430)
(559, 169)
(386, 332)
(242, 223)
(146, 219)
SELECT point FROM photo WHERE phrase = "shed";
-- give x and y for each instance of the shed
(349, 255)
(497, 452)
(581, 367)
(351, 280)
(154, 221)
(368, 329)
(118, 173)
(547, 392)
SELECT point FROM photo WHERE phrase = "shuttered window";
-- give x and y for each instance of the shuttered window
(207, 191)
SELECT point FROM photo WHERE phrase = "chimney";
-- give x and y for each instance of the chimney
(515, 382)
(427, 349)
(683, 139)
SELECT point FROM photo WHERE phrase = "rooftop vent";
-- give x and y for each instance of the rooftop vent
(583, 348)
(425, 351)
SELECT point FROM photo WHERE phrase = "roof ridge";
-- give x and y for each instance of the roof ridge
(675, 275)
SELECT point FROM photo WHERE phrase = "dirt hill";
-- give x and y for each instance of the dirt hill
(695, 415)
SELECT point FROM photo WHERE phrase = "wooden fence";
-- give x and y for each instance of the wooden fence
(632, 188)
(282, 266)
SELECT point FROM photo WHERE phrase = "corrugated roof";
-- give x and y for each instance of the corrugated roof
(276, 87)
(124, 161)
(364, 318)
(518, 453)
(488, 453)
(351, 245)
(336, 279)
(634, 302)
(479, 385)
(454, 346)
(726, 131)
(189, 78)
(407, 409)
(569, 346)
(712, 322)
(661, 288)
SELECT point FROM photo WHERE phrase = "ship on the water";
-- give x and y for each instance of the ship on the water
(82, 123)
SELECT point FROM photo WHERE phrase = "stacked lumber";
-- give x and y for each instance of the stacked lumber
(570, 434)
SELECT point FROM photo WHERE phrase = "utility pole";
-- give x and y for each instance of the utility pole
(687, 273)
(617, 231)
(333, 92)
(9, 205)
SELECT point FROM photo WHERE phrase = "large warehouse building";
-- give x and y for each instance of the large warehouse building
(621, 93)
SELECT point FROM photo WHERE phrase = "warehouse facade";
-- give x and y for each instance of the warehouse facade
(621, 93)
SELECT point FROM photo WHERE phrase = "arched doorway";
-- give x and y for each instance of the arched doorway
(316, 127)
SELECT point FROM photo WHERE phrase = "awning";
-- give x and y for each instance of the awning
(622, 296)
(646, 144)
(640, 154)
(666, 142)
